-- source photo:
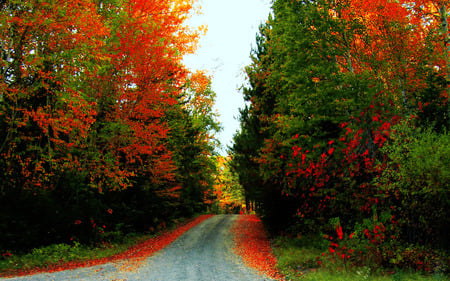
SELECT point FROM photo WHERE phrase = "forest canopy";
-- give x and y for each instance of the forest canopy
(346, 128)
(102, 128)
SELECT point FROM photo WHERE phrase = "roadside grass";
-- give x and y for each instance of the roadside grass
(301, 259)
(63, 253)
(115, 246)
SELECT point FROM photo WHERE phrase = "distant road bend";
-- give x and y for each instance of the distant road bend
(204, 253)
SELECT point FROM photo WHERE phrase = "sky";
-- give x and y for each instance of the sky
(224, 52)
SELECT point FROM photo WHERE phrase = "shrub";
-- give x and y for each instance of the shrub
(416, 183)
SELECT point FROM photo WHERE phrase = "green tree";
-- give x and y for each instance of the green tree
(328, 83)
(193, 125)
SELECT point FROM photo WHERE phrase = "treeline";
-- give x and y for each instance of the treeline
(228, 194)
(103, 131)
(346, 130)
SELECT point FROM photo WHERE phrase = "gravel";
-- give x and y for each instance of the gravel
(204, 253)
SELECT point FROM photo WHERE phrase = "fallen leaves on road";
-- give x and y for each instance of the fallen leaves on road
(133, 257)
(253, 245)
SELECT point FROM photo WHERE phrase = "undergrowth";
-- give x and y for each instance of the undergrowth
(303, 258)
(62, 253)
(58, 257)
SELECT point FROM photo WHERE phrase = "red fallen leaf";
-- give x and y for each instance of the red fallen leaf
(135, 254)
(254, 247)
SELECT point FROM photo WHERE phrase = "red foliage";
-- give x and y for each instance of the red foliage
(134, 255)
(90, 74)
(253, 246)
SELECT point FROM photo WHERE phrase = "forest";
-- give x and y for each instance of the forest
(105, 133)
(345, 134)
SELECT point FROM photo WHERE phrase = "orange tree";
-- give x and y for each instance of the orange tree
(227, 190)
(85, 94)
(46, 113)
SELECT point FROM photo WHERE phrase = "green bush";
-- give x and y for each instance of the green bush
(416, 180)
(301, 258)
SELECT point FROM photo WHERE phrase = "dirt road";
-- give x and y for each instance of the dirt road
(204, 253)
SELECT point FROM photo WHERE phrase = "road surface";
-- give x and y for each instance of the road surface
(204, 253)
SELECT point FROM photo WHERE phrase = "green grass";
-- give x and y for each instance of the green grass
(115, 243)
(61, 253)
(301, 259)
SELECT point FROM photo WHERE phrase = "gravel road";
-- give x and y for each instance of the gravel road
(204, 253)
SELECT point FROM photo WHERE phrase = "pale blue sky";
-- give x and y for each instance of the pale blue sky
(224, 52)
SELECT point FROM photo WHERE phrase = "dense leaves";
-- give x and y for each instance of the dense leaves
(227, 191)
(103, 131)
(345, 98)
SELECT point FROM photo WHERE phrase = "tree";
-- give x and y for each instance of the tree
(193, 125)
(329, 82)
(91, 113)
(45, 50)
(227, 190)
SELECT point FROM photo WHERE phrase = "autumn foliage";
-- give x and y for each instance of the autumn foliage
(228, 195)
(94, 102)
(344, 99)
(253, 246)
(134, 256)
